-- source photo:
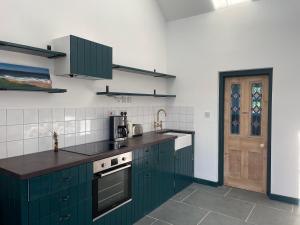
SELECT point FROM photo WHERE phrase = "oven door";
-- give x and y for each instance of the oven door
(111, 190)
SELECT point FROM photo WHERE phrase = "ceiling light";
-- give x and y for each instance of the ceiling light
(225, 3)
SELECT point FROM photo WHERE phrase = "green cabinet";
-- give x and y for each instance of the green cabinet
(153, 177)
(59, 198)
(184, 168)
(85, 59)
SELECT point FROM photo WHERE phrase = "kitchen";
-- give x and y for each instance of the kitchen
(114, 117)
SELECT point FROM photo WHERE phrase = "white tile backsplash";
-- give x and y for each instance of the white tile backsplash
(31, 116)
(2, 117)
(31, 146)
(3, 152)
(14, 133)
(14, 117)
(70, 114)
(31, 131)
(45, 129)
(45, 143)
(45, 115)
(58, 115)
(2, 134)
(24, 131)
(14, 148)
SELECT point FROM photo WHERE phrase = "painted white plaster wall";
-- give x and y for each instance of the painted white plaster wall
(246, 36)
(136, 30)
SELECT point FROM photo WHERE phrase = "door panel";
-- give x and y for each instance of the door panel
(245, 132)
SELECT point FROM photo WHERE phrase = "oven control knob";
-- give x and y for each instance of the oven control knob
(124, 158)
(103, 165)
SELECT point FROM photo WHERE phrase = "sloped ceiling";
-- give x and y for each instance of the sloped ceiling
(178, 9)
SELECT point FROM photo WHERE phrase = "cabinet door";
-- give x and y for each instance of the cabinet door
(89, 58)
(165, 170)
(184, 167)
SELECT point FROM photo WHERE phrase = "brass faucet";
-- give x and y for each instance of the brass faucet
(158, 122)
(55, 138)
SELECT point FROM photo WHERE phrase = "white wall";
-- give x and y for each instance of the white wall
(136, 30)
(251, 35)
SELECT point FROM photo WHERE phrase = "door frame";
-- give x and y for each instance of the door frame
(243, 73)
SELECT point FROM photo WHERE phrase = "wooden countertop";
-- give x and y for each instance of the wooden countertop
(32, 165)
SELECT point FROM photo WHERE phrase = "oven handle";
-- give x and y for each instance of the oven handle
(114, 171)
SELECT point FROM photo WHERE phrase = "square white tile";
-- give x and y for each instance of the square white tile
(31, 146)
(80, 138)
(88, 125)
(59, 127)
(58, 115)
(2, 117)
(14, 132)
(45, 144)
(45, 115)
(80, 126)
(61, 141)
(45, 129)
(70, 140)
(14, 148)
(2, 133)
(31, 116)
(31, 131)
(80, 114)
(3, 152)
(90, 136)
(70, 127)
(69, 114)
(91, 113)
(14, 117)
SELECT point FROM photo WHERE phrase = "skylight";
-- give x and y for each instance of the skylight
(226, 3)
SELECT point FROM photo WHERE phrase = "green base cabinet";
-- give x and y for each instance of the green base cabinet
(184, 168)
(153, 178)
(59, 198)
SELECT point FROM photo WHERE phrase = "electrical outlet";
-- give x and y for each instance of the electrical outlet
(207, 115)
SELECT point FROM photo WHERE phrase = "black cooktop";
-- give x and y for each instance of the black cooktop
(95, 148)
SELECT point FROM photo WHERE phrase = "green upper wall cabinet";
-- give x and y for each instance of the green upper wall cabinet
(85, 59)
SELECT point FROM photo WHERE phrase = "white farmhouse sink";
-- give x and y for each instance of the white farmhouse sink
(182, 140)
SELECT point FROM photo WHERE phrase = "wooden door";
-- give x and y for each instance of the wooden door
(246, 132)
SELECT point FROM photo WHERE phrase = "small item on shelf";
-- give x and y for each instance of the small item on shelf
(26, 78)
(55, 138)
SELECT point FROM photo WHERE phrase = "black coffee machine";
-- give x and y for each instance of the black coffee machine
(118, 131)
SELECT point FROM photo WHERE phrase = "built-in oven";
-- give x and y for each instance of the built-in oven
(111, 184)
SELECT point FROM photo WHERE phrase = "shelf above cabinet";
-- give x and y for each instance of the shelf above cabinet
(143, 72)
(13, 47)
(47, 90)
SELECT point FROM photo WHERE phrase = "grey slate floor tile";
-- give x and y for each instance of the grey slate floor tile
(217, 219)
(204, 205)
(184, 193)
(263, 215)
(178, 213)
(258, 198)
(231, 207)
(145, 221)
(221, 191)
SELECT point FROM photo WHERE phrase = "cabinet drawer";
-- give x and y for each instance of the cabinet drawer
(57, 181)
(56, 202)
(65, 217)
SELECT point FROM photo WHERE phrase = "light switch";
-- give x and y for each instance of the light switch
(207, 115)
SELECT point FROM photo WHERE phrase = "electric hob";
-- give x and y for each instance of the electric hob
(95, 148)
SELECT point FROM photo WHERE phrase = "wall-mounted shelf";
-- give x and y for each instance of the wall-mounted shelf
(47, 90)
(13, 47)
(143, 72)
(110, 93)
